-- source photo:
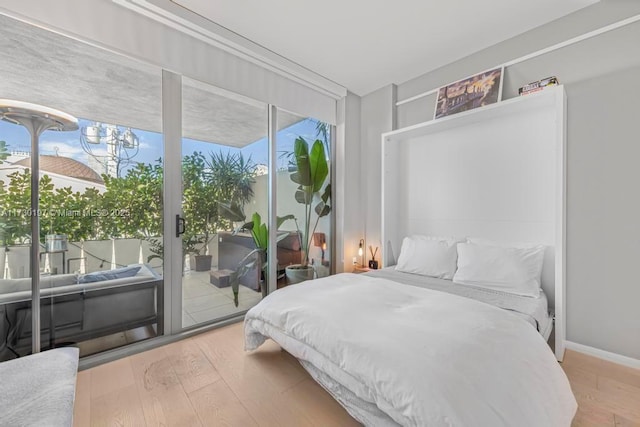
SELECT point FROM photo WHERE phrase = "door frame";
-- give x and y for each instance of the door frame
(172, 137)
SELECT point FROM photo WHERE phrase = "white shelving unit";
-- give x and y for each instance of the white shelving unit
(519, 105)
(496, 172)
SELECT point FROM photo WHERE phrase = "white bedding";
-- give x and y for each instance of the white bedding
(402, 355)
(534, 310)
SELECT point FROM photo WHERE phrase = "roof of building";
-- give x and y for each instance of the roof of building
(64, 166)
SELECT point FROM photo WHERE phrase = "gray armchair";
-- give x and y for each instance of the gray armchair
(232, 248)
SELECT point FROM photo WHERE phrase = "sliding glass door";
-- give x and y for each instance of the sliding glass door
(304, 201)
(224, 189)
(100, 204)
(104, 270)
(100, 212)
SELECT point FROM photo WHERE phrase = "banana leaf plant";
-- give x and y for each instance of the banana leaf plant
(244, 266)
(260, 233)
(310, 170)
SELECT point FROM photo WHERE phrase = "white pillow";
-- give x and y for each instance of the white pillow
(506, 269)
(486, 242)
(428, 256)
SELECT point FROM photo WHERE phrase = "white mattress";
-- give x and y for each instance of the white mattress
(394, 354)
(534, 310)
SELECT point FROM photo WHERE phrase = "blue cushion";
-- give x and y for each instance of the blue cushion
(100, 276)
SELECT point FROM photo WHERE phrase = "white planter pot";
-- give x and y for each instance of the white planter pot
(297, 273)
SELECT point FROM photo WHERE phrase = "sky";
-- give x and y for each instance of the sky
(68, 144)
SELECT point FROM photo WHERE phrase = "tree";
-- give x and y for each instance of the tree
(16, 202)
(4, 153)
(131, 206)
(208, 182)
(64, 211)
(198, 202)
(133, 203)
(61, 211)
(232, 178)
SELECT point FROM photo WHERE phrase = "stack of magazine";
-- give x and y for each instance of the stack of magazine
(538, 86)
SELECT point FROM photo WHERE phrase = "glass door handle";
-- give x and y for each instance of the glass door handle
(180, 225)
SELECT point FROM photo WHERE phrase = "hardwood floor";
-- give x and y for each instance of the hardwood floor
(207, 380)
(608, 394)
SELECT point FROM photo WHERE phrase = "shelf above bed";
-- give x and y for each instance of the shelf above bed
(545, 98)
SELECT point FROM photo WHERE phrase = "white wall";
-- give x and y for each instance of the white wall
(349, 194)
(603, 238)
(597, 57)
(82, 257)
(378, 116)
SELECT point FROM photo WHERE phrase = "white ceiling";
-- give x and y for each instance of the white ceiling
(366, 44)
(49, 69)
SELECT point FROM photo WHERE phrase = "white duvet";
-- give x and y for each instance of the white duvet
(397, 354)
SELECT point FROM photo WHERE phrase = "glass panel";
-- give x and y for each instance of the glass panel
(15, 242)
(304, 247)
(224, 182)
(100, 205)
(101, 230)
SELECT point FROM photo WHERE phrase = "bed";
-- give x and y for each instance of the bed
(395, 350)
(533, 310)
(404, 349)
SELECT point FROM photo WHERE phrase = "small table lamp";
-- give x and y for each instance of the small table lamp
(320, 241)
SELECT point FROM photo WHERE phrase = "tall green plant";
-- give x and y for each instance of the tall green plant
(323, 131)
(198, 202)
(209, 181)
(232, 176)
(310, 171)
(260, 231)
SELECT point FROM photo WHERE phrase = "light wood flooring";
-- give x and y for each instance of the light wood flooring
(208, 380)
(608, 394)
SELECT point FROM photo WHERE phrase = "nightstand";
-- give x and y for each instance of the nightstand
(357, 269)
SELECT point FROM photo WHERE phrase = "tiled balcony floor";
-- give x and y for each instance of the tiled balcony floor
(204, 302)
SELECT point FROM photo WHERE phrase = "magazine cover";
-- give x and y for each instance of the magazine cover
(473, 92)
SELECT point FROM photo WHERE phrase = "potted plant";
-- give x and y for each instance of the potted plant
(310, 170)
(218, 178)
(260, 234)
(199, 208)
(189, 247)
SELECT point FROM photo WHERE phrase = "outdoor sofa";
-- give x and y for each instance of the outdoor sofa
(79, 311)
